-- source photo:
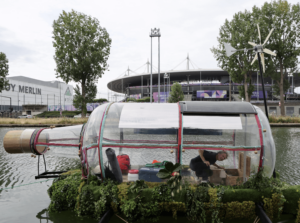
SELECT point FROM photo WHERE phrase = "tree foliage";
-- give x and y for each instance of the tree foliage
(176, 93)
(237, 32)
(100, 100)
(285, 19)
(4, 67)
(82, 48)
(90, 94)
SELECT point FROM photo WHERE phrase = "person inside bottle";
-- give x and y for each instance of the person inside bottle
(201, 164)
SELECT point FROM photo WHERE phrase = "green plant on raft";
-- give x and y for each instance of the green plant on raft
(170, 168)
(260, 182)
(278, 201)
(63, 192)
(162, 193)
(195, 204)
(137, 186)
(268, 206)
(215, 202)
(298, 214)
(108, 198)
(142, 201)
(137, 209)
(240, 210)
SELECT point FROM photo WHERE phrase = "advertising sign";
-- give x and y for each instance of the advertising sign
(212, 94)
(260, 94)
(136, 96)
(163, 96)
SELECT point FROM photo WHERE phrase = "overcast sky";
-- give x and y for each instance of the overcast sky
(187, 27)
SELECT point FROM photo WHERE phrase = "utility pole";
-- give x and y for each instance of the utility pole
(60, 96)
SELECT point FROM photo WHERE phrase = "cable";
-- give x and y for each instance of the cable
(194, 64)
(179, 64)
(140, 67)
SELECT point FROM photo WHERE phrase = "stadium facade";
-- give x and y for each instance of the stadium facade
(198, 84)
(205, 84)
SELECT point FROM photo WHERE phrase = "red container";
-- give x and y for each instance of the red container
(133, 171)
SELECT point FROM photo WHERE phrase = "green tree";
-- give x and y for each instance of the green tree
(176, 93)
(3, 71)
(82, 48)
(90, 94)
(285, 19)
(99, 100)
(237, 32)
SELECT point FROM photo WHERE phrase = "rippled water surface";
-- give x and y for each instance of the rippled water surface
(287, 141)
(28, 200)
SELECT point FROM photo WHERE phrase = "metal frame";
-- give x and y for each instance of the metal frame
(46, 174)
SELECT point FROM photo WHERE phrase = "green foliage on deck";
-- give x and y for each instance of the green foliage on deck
(140, 201)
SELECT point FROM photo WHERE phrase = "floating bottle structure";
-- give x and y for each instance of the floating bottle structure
(161, 132)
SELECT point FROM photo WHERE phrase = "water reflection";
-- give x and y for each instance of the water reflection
(22, 196)
(63, 217)
(287, 141)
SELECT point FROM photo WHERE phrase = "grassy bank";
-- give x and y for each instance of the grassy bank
(56, 114)
(282, 119)
(75, 121)
(38, 121)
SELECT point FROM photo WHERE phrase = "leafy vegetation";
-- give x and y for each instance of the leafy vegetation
(142, 201)
(4, 68)
(242, 28)
(166, 173)
(82, 48)
(131, 99)
(90, 94)
(176, 93)
(99, 100)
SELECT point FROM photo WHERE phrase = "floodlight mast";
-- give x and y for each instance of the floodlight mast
(155, 33)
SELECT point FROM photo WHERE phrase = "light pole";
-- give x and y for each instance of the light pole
(200, 86)
(155, 33)
(257, 93)
(10, 108)
(165, 77)
(60, 95)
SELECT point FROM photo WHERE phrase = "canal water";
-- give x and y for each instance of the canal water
(24, 199)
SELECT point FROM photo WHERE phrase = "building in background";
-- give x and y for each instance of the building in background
(197, 85)
(200, 84)
(33, 93)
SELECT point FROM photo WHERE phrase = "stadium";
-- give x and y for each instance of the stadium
(199, 84)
